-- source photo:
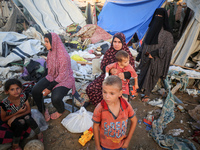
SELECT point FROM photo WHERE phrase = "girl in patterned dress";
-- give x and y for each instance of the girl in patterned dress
(16, 111)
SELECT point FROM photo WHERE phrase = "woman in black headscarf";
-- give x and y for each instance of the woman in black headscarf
(155, 52)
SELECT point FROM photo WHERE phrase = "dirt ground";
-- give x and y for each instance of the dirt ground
(56, 137)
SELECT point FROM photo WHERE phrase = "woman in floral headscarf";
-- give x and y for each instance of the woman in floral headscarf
(94, 89)
(59, 79)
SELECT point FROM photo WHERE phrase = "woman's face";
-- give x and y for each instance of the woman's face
(47, 43)
(117, 44)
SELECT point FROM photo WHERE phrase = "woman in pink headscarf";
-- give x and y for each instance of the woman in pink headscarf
(59, 79)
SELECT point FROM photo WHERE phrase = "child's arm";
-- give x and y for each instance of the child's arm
(130, 133)
(111, 68)
(26, 111)
(96, 136)
(4, 117)
(136, 83)
(21, 112)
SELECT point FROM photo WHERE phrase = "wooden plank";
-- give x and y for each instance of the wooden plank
(1, 9)
(175, 89)
(20, 12)
(185, 67)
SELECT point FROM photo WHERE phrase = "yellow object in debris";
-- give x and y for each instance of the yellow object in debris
(76, 57)
(87, 136)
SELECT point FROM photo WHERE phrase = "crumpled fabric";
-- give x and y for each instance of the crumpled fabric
(86, 31)
(181, 76)
(167, 115)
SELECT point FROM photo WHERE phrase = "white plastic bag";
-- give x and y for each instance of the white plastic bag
(78, 121)
(39, 118)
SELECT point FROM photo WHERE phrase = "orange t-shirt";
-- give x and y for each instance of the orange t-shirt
(125, 82)
(112, 128)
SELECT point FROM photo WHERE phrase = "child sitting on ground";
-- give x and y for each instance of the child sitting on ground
(122, 65)
(16, 111)
(111, 117)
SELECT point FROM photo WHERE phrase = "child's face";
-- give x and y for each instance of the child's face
(14, 90)
(124, 62)
(111, 93)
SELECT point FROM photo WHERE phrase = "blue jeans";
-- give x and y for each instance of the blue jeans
(112, 149)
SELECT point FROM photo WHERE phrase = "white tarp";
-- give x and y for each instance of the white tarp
(10, 37)
(33, 33)
(22, 49)
(54, 15)
(188, 44)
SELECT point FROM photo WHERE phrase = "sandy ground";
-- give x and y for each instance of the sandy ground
(56, 137)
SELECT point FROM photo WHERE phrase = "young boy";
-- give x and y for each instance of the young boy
(111, 116)
(122, 65)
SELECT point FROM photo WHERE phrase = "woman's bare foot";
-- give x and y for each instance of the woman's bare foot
(55, 115)
(46, 115)
(40, 137)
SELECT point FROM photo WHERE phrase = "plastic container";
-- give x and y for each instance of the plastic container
(181, 108)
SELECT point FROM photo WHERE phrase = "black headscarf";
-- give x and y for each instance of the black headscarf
(156, 25)
(120, 37)
(49, 36)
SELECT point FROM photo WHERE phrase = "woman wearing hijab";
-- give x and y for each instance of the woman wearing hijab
(94, 89)
(59, 79)
(155, 52)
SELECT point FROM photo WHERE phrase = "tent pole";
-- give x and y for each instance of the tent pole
(1, 9)
(20, 12)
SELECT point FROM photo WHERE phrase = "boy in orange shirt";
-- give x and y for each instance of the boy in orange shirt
(122, 65)
(111, 117)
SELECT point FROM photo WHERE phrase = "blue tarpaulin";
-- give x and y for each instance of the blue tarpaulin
(128, 16)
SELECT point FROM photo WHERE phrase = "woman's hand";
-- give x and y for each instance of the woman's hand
(11, 120)
(121, 75)
(113, 71)
(45, 92)
(150, 56)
